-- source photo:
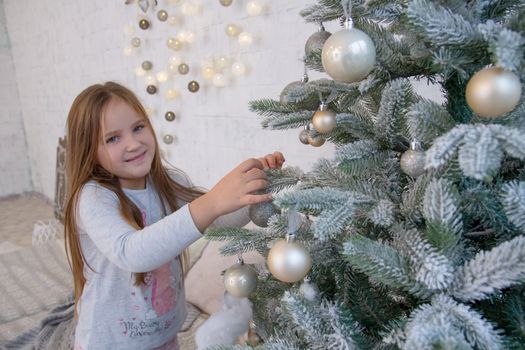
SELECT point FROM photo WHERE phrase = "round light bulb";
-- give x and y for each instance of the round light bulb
(245, 39)
(254, 8)
(127, 51)
(175, 60)
(174, 44)
(173, 20)
(139, 72)
(219, 80)
(172, 94)
(162, 76)
(238, 68)
(173, 68)
(208, 72)
(222, 62)
(150, 80)
(188, 9)
(232, 30)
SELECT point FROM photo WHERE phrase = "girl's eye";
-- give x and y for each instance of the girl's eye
(112, 139)
(139, 127)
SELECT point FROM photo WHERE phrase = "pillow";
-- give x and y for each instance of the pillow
(204, 282)
(196, 249)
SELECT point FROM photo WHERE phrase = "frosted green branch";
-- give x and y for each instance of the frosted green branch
(427, 120)
(440, 25)
(513, 200)
(382, 214)
(506, 45)
(490, 271)
(382, 263)
(435, 324)
(441, 206)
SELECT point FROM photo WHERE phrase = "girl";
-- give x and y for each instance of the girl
(128, 222)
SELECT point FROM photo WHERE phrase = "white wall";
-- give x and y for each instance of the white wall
(15, 174)
(59, 47)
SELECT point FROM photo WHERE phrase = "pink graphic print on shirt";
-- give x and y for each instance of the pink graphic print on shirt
(160, 289)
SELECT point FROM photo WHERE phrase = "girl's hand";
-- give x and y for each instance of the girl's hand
(273, 161)
(232, 192)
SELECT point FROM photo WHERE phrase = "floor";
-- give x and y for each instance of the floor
(18, 215)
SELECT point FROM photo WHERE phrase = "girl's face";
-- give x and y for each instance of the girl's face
(127, 145)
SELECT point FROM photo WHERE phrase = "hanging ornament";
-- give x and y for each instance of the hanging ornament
(493, 91)
(316, 40)
(303, 135)
(289, 261)
(348, 55)
(225, 3)
(135, 42)
(309, 290)
(146, 65)
(315, 139)
(240, 280)
(170, 116)
(193, 86)
(324, 119)
(162, 15)
(285, 97)
(168, 139)
(183, 68)
(144, 24)
(151, 89)
(144, 4)
(413, 161)
(260, 213)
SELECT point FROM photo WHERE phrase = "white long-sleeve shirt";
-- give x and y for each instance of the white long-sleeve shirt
(114, 313)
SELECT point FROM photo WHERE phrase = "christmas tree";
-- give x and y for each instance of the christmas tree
(412, 237)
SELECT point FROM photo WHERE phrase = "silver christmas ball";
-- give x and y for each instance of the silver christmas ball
(162, 15)
(170, 116)
(413, 162)
(289, 261)
(147, 65)
(348, 55)
(240, 280)
(316, 41)
(303, 136)
(151, 89)
(315, 140)
(283, 97)
(144, 24)
(260, 213)
(493, 91)
(324, 120)
(183, 68)
(168, 139)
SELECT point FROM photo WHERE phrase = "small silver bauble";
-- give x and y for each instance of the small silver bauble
(284, 98)
(412, 162)
(183, 68)
(151, 89)
(135, 42)
(170, 116)
(260, 213)
(303, 136)
(144, 24)
(289, 261)
(315, 140)
(348, 55)
(240, 280)
(324, 119)
(162, 15)
(147, 65)
(168, 139)
(193, 86)
(493, 91)
(316, 41)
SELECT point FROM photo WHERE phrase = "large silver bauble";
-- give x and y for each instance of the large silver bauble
(315, 140)
(316, 41)
(260, 213)
(289, 261)
(240, 280)
(413, 162)
(303, 136)
(348, 55)
(283, 97)
(493, 91)
(324, 121)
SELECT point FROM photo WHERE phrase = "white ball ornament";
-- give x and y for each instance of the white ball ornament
(240, 280)
(348, 55)
(493, 91)
(289, 261)
(412, 162)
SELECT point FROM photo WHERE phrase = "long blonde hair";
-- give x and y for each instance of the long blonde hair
(83, 136)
